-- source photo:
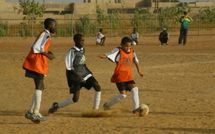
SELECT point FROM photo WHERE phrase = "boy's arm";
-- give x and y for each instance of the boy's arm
(136, 62)
(138, 69)
(103, 56)
(49, 55)
(111, 55)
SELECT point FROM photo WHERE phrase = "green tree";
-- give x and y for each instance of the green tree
(31, 10)
(140, 17)
(101, 16)
(85, 26)
(207, 15)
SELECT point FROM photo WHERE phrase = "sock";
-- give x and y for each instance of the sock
(66, 102)
(38, 98)
(115, 99)
(33, 102)
(97, 99)
(135, 98)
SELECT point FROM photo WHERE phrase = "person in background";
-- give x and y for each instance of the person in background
(134, 36)
(100, 38)
(185, 21)
(163, 37)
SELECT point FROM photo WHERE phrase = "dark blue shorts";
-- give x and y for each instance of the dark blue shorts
(34, 75)
(125, 86)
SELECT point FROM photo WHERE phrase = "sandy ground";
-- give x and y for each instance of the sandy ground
(178, 86)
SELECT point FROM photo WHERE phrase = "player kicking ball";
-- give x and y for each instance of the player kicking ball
(78, 76)
(124, 57)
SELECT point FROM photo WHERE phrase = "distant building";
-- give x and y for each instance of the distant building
(61, 9)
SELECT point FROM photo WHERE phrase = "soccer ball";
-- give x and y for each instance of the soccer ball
(145, 110)
(134, 43)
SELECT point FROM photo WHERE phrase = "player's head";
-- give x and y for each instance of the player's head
(134, 29)
(100, 30)
(126, 44)
(50, 24)
(185, 12)
(79, 40)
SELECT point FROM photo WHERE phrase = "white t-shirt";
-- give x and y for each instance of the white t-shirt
(99, 36)
(38, 45)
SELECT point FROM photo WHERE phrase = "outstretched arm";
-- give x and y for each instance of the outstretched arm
(103, 56)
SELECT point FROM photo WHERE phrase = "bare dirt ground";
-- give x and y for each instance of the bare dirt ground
(178, 86)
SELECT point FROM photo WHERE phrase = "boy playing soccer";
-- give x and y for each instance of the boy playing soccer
(36, 67)
(78, 76)
(124, 56)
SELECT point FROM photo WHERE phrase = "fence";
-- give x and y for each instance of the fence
(112, 27)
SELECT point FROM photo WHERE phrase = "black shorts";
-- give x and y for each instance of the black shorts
(125, 86)
(75, 86)
(34, 75)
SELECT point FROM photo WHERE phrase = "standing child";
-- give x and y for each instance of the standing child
(134, 37)
(100, 38)
(78, 76)
(163, 37)
(185, 21)
(124, 57)
(36, 67)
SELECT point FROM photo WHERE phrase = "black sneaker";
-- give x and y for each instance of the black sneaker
(37, 118)
(28, 115)
(138, 110)
(53, 108)
(143, 110)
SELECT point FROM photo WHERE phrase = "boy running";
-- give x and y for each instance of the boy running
(36, 67)
(78, 76)
(124, 57)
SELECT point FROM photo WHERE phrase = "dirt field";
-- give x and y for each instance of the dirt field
(178, 86)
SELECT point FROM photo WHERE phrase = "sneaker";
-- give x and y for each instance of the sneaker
(138, 110)
(143, 110)
(28, 115)
(106, 107)
(53, 108)
(37, 118)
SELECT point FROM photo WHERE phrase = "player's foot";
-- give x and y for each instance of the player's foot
(138, 110)
(54, 108)
(143, 110)
(106, 107)
(28, 115)
(37, 118)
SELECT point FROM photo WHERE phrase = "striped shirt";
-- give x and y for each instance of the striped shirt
(75, 60)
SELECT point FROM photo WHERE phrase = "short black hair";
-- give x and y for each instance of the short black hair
(48, 22)
(77, 37)
(125, 40)
(185, 12)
